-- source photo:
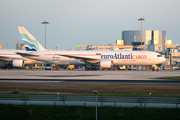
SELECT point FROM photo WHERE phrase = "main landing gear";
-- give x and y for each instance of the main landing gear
(92, 68)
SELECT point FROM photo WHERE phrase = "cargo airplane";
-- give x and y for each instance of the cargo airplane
(104, 59)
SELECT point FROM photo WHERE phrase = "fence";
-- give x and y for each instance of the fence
(84, 99)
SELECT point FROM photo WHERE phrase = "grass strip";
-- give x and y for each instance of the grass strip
(86, 89)
(172, 78)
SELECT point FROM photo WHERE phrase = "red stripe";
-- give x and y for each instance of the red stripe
(76, 54)
(81, 54)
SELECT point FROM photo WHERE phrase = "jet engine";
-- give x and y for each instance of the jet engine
(106, 64)
(17, 63)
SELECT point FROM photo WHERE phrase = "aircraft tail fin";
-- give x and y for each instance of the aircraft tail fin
(31, 44)
(112, 47)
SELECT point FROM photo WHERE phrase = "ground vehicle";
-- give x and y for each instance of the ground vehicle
(48, 66)
(121, 67)
(132, 67)
(39, 66)
(70, 67)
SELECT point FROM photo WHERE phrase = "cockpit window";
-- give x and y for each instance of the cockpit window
(159, 55)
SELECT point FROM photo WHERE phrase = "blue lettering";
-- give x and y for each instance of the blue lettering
(121, 56)
(117, 56)
(127, 56)
(102, 56)
(105, 56)
(109, 56)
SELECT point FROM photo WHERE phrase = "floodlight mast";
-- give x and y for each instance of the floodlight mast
(45, 30)
(141, 19)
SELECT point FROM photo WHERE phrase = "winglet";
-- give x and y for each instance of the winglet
(31, 44)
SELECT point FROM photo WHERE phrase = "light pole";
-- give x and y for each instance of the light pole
(165, 39)
(135, 38)
(141, 19)
(45, 30)
(170, 55)
(96, 101)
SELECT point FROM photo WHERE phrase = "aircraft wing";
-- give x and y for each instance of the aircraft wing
(78, 57)
(82, 58)
(5, 58)
(27, 55)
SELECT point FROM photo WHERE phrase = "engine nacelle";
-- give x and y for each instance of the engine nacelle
(106, 64)
(17, 63)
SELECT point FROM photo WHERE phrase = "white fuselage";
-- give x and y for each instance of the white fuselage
(84, 57)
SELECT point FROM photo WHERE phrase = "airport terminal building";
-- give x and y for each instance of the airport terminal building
(133, 37)
(152, 40)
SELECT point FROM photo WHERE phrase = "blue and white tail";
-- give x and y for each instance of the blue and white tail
(112, 47)
(31, 44)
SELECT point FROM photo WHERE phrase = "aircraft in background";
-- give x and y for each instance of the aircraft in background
(104, 59)
(10, 58)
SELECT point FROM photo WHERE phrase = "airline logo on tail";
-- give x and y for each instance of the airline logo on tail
(31, 44)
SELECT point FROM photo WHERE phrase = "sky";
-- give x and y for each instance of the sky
(92, 22)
